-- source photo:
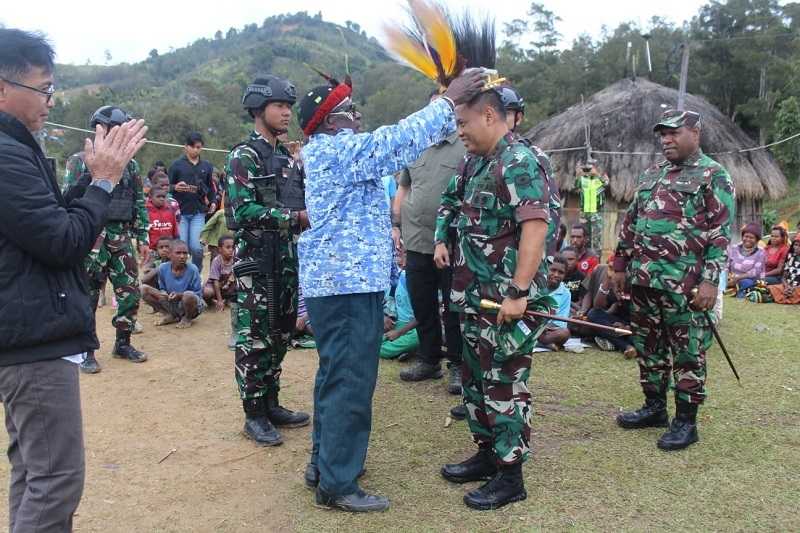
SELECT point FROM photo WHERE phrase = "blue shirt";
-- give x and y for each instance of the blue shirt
(405, 313)
(563, 299)
(189, 281)
(348, 249)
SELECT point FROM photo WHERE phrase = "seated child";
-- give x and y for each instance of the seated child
(402, 337)
(150, 268)
(181, 296)
(162, 219)
(220, 288)
(556, 333)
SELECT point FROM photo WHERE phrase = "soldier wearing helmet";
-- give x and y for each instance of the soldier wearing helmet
(265, 207)
(515, 114)
(113, 255)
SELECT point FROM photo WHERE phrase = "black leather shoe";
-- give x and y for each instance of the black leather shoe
(505, 487)
(479, 467)
(282, 417)
(653, 414)
(357, 502)
(261, 430)
(459, 412)
(454, 386)
(683, 430)
(311, 476)
(124, 350)
(89, 365)
(422, 371)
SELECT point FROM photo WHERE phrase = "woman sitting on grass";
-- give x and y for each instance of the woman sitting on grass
(788, 292)
(776, 251)
(746, 261)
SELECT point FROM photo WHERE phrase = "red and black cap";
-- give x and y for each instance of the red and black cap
(320, 101)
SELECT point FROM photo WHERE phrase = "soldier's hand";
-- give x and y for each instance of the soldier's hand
(302, 218)
(397, 239)
(109, 153)
(705, 296)
(512, 310)
(441, 256)
(617, 280)
(467, 86)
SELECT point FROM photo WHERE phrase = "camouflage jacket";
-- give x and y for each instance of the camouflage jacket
(676, 231)
(554, 196)
(490, 198)
(241, 165)
(76, 168)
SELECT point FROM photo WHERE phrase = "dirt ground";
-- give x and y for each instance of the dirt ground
(183, 399)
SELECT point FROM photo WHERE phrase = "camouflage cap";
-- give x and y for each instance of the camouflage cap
(673, 119)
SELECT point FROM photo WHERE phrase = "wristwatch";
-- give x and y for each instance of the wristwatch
(515, 292)
(104, 184)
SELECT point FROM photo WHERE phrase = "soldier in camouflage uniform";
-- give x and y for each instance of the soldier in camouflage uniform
(265, 208)
(113, 254)
(673, 241)
(500, 202)
(515, 114)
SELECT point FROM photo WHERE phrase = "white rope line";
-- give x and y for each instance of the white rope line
(552, 151)
(73, 128)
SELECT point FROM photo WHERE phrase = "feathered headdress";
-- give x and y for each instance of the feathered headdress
(322, 100)
(440, 45)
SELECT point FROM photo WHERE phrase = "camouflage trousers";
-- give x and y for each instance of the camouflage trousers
(260, 344)
(671, 341)
(594, 224)
(113, 257)
(496, 395)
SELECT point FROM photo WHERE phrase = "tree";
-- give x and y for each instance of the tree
(218, 35)
(153, 54)
(787, 123)
(107, 55)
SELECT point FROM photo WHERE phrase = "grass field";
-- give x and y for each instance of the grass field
(586, 473)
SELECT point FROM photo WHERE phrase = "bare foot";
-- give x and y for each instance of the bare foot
(165, 320)
(184, 323)
(630, 352)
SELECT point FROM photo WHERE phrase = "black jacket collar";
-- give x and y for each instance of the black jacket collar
(17, 131)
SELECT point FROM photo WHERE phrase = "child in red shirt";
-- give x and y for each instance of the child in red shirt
(162, 218)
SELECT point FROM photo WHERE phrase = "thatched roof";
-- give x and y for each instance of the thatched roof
(621, 119)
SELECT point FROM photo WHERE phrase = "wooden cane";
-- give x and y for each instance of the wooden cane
(494, 306)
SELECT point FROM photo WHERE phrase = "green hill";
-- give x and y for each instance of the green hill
(199, 87)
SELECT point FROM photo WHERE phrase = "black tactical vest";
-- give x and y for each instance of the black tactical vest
(280, 183)
(122, 207)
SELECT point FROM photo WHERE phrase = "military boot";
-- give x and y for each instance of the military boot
(683, 429)
(459, 412)
(653, 413)
(89, 365)
(422, 371)
(454, 385)
(507, 486)
(479, 467)
(124, 350)
(282, 417)
(257, 425)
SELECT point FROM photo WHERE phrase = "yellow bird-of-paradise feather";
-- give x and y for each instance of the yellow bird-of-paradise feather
(431, 36)
(436, 27)
(410, 52)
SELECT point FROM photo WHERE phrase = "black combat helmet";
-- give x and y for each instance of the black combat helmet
(268, 89)
(512, 100)
(109, 116)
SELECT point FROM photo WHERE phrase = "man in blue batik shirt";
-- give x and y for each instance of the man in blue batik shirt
(345, 259)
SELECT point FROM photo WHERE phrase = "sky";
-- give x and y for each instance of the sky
(83, 31)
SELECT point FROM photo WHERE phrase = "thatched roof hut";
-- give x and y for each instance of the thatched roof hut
(620, 119)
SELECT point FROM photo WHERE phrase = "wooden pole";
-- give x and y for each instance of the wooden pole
(684, 77)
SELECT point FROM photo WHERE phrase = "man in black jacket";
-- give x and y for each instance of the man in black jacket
(46, 321)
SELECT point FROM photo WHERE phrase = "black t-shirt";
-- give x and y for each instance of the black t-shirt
(574, 283)
(199, 175)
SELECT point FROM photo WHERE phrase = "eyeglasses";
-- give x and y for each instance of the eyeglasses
(47, 93)
(346, 108)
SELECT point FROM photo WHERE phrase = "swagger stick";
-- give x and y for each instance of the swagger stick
(494, 306)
